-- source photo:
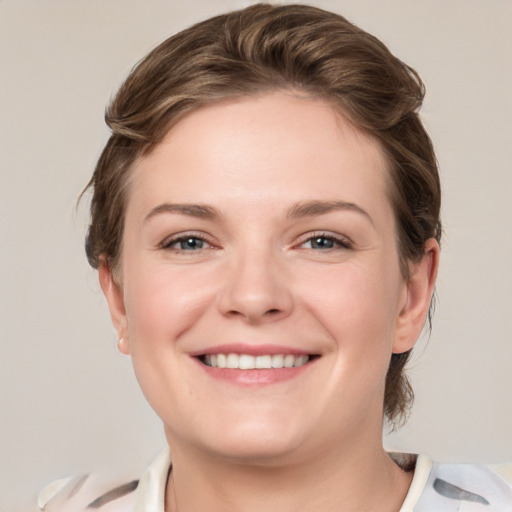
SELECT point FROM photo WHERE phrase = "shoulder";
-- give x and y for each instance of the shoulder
(110, 494)
(505, 470)
(447, 487)
(88, 492)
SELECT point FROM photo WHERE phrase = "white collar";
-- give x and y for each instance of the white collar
(150, 494)
(419, 481)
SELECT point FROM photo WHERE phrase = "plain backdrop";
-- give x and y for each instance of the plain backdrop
(68, 401)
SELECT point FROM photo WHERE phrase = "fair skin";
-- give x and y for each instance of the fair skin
(262, 226)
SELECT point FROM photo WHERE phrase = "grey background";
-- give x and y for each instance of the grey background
(68, 401)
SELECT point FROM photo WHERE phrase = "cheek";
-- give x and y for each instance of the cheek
(161, 305)
(357, 304)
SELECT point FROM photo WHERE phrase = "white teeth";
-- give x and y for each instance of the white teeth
(300, 361)
(263, 362)
(246, 362)
(288, 361)
(277, 361)
(249, 362)
(233, 361)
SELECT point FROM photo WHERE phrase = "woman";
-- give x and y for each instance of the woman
(265, 222)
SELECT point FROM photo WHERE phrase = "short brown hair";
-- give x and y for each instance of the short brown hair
(268, 48)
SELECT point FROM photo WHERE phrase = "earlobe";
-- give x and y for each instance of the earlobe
(114, 294)
(419, 291)
(123, 347)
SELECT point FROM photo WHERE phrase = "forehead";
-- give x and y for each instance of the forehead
(257, 148)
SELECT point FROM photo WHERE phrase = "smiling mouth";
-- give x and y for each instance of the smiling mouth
(260, 362)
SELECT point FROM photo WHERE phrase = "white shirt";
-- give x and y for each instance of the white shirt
(436, 487)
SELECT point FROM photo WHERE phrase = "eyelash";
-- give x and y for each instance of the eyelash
(168, 244)
(337, 241)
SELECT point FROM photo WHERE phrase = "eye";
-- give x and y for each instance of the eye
(326, 242)
(188, 243)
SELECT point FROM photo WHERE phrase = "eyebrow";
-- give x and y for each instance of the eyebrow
(314, 208)
(193, 210)
(296, 211)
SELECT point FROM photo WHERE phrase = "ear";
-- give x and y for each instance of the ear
(418, 294)
(114, 294)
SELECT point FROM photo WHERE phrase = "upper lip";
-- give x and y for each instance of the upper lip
(253, 350)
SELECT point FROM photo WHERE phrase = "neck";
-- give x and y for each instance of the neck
(341, 480)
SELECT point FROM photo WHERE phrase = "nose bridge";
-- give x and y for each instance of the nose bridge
(256, 287)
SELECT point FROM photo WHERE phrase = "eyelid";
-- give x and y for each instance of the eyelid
(341, 240)
(177, 237)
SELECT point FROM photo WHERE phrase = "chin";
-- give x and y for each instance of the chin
(257, 451)
(254, 441)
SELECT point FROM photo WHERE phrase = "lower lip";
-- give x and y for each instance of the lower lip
(255, 377)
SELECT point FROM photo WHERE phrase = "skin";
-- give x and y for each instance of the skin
(266, 270)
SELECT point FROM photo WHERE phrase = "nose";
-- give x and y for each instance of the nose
(256, 289)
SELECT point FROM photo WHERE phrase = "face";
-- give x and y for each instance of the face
(260, 294)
